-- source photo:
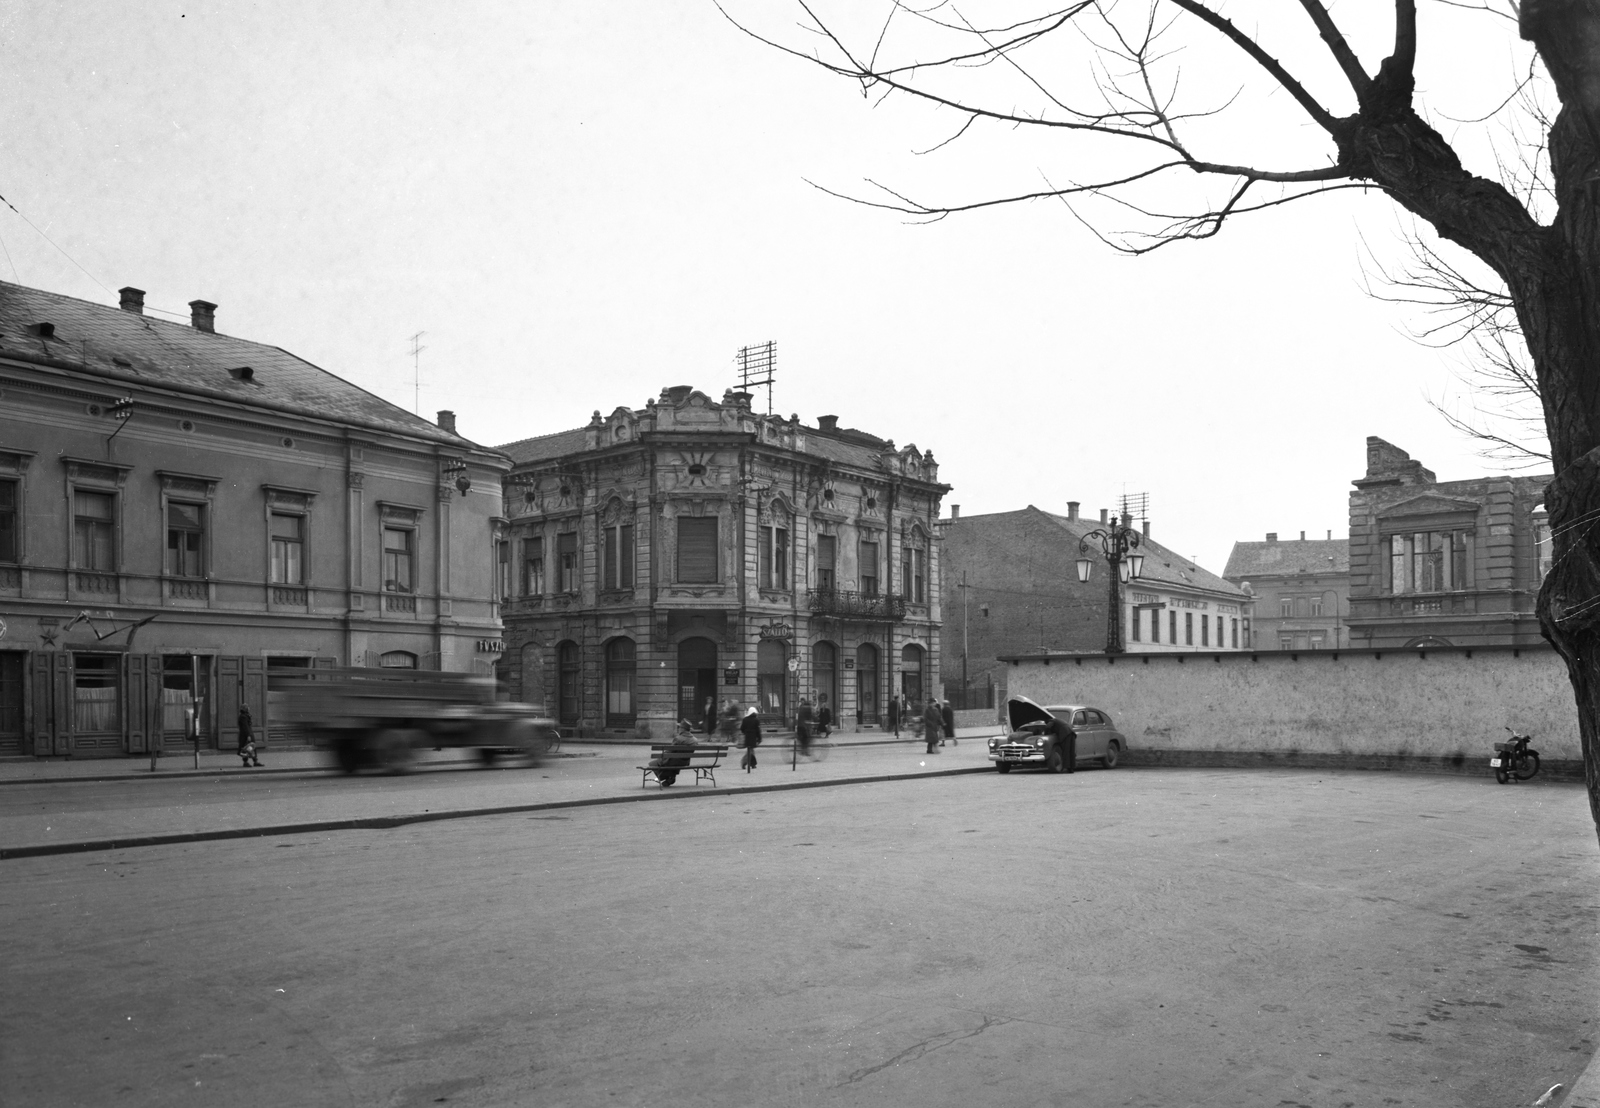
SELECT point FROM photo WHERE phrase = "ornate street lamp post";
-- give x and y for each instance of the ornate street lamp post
(1117, 546)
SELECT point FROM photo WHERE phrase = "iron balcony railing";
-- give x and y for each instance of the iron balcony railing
(849, 604)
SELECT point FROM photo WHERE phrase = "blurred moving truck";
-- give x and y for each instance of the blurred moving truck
(380, 717)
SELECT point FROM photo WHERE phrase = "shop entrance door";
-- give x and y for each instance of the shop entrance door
(697, 678)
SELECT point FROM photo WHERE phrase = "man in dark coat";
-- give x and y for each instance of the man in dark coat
(894, 715)
(247, 739)
(824, 716)
(803, 721)
(932, 725)
(1067, 739)
(750, 730)
(948, 717)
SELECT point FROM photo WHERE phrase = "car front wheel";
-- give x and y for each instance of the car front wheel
(1113, 752)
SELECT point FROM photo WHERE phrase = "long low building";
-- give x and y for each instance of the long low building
(187, 516)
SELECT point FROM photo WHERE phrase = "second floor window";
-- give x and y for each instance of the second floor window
(913, 567)
(1188, 628)
(397, 557)
(502, 568)
(697, 549)
(1427, 561)
(1286, 607)
(9, 546)
(1205, 632)
(869, 569)
(94, 531)
(567, 562)
(533, 567)
(619, 557)
(1316, 605)
(288, 537)
(774, 557)
(827, 561)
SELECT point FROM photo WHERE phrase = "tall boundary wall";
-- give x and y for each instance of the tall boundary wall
(1438, 710)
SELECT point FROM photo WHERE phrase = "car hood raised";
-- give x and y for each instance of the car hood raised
(1020, 711)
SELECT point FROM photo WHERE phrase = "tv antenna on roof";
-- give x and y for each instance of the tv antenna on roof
(416, 372)
(757, 364)
(1135, 505)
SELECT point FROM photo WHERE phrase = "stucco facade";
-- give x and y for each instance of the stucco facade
(185, 516)
(1444, 562)
(695, 549)
(1018, 571)
(1301, 591)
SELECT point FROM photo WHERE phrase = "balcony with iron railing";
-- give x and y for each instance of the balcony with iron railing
(849, 604)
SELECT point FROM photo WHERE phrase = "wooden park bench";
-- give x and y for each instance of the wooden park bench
(701, 760)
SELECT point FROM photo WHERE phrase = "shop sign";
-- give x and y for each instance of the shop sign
(491, 646)
(777, 629)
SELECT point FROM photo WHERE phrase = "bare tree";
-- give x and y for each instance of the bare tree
(1100, 80)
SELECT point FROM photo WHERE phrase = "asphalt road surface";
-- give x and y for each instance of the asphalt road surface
(1134, 937)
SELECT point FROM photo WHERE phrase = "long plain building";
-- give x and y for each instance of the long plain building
(186, 516)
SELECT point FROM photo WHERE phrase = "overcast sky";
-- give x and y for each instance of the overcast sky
(581, 202)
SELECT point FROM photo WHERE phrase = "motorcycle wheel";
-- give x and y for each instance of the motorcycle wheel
(1501, 776)
(1526, 766)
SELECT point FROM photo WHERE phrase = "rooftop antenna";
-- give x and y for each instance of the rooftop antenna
(1135, 505)
(757, 364)
(416, 372)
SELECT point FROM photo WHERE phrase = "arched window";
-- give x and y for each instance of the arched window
(911, 673)
(620, 669)
(570, 673)
(825, 676)
(398, 659)
(867, 683)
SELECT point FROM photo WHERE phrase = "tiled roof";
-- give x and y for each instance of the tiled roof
(1271, 559)
(542, 448)
(113, 342)
(840, 447)
(1161, 564)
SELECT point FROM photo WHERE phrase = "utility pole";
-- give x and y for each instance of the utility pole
(964, 610)
(416, 372)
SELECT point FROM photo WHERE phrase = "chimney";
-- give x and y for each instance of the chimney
(955, 511)
(1072, 510)
(1330, 536)
(132, 299)
(447, 421)
(1103, 520)
(1302, 536)
(203, 316)
(1146, 528)
(827, 423)
(1272, 536)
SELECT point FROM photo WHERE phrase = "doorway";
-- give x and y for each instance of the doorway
(697, 678)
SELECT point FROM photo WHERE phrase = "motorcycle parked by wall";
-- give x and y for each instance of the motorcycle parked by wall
(1514, 759)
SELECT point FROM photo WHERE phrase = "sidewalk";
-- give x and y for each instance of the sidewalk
(298, 792)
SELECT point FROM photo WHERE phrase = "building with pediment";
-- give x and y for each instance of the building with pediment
(695, 550)
(1444, 563)
(188, 519)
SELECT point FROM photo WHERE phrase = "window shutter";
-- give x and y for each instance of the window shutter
(697, 549)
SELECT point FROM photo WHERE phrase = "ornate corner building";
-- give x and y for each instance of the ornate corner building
(694, 551)
(187, 517)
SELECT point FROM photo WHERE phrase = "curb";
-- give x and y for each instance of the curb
(1585, 1091)
(381, 823)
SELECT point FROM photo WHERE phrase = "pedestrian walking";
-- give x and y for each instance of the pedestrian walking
(803, 722)
(750, 729)
(894, 715)
(947, 714)
(709, 716)
(730, 721)
(247, 738)
(933, 725)
(824, 716)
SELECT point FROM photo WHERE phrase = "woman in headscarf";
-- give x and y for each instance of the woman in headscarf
(750, 728)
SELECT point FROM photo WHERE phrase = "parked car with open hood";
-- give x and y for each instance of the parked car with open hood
(1030, 742)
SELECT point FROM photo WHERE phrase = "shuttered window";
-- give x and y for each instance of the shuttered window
(697, 549)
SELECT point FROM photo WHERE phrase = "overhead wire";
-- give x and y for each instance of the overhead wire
(52, 242)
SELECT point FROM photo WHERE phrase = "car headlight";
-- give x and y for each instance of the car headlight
(994, 744)
(1038, 743)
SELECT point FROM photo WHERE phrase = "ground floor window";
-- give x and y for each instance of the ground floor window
(620, 673)
(772, 658)
(825, 676)
(96, 692)
(867, 683)
(185, 679)
(911, 684)
(11, 671)
(397, 659)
